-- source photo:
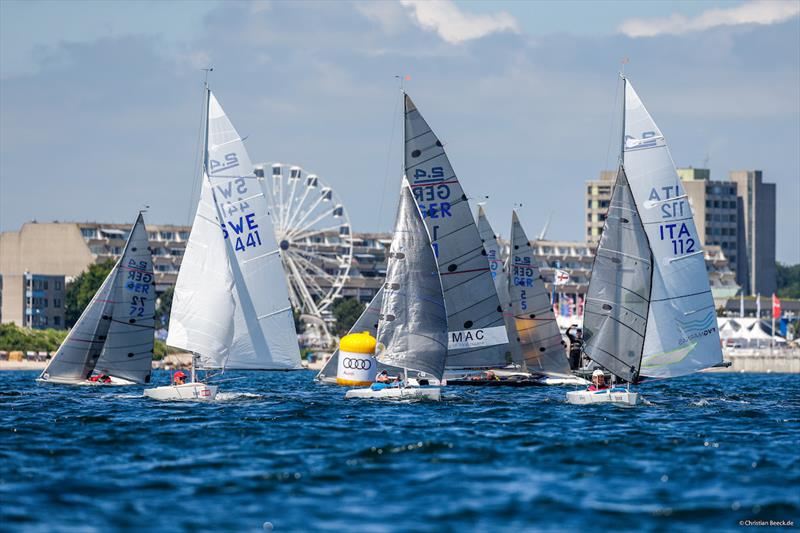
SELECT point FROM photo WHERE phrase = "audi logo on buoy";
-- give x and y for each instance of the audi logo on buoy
(357, 364)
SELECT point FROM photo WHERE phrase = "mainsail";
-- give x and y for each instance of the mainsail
(114, 334)
(477, 335)
(128, 350)
(615, 311)
(499, 270)
(243, 321)
(649, 310)
(682, 335)
(412, 330)
(539, 337)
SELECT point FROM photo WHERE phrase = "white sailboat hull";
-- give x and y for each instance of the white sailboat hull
(396, 393)
(613, 396)
(198, 392)
(85, 382)
(574, 380)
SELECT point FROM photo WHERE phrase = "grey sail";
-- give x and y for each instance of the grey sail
(128, 349)
(539, 337)
(412, 330)
(476, 332)
(368, 321)
(617, 302)
(76, 357)
(499, 271)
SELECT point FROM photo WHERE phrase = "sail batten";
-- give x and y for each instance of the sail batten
(477, 332)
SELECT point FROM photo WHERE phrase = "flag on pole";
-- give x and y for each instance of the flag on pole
(758, 305)
(561, 277)
(776, 307)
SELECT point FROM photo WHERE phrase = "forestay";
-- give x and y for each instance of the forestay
(499, 272)
(412, 330)
(682, 335)
(540, 342)
(615, 311)
(114, 334)
(477, 335)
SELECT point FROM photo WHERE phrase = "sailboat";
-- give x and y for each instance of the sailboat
(649, 312)
(477, 336)
(412, 326)
(231, 306)
(112, 341)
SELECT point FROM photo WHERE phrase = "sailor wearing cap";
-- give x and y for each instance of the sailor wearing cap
(179, 378)
(598, 381)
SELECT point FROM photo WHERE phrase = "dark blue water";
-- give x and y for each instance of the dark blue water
(708, 452)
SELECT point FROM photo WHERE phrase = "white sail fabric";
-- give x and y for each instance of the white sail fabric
(412, 330)
(477, 335)
(203, 304)
(249, 302)
(681, 335)
(128, 349)
(540, 340)
(76, 357)
(616, 307)
(264, 336)
(499, 269)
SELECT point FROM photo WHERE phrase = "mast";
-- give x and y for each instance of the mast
(622, 125)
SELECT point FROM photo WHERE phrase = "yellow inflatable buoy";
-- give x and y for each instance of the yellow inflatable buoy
(357, 363)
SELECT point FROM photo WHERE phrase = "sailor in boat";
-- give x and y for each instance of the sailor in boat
(598, 381)
(179, 378)
(100, 378)
(488, 375)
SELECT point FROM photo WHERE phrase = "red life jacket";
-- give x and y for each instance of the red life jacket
(594, 387)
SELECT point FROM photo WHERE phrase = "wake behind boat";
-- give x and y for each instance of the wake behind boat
(649, 310)
(112, 341)
(231, 305)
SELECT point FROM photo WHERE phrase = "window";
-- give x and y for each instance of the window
(708, 203)
(45, 284)
(604, 203)
(716, 203)
(56, 320)
(88, 233)
(58, 285)
(708, 217)
(168, 235)
(57, 303)
(184, 235)
(46, 302)
(588, 204)
(602, 217)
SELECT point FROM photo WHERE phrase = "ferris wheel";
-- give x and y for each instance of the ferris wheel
(312, 228)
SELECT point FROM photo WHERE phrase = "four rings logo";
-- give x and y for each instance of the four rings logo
(357, 364)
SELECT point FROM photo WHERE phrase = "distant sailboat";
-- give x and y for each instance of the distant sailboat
(231, 305)
(412, 327)
(649, 310)
(476, 331)
(538, 337)
(112, 341)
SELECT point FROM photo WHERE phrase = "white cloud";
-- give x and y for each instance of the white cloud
(456, 26)
(752, 12)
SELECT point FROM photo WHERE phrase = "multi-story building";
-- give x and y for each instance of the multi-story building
(755, 262)
(598, 196)
(715, 208)
(33, 300)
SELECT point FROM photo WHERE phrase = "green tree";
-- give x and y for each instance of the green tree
(164, 308)
(82, 289)
(346, 311)
(299, 325)
(788, 280)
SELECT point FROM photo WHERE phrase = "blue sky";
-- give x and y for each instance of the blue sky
(100, 101)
